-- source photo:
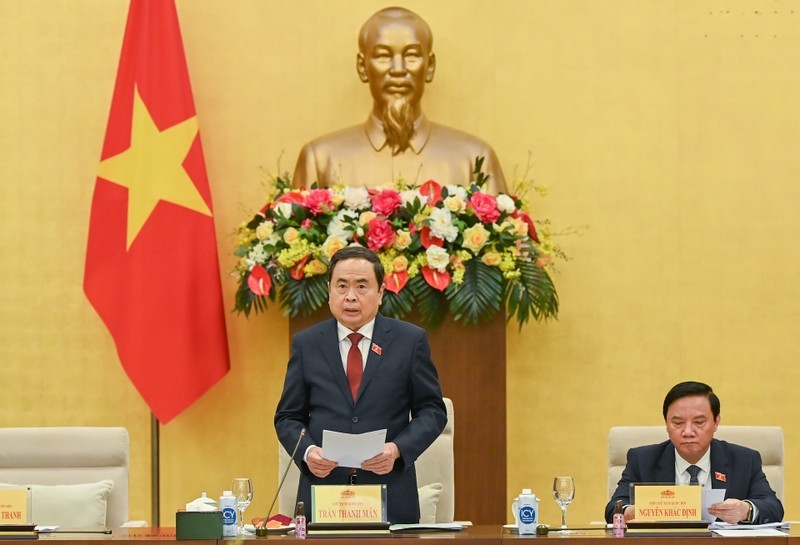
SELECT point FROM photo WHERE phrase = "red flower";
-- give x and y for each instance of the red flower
(306, 224)
(297, 271)
(519, 214)
(436, 279)
(485, 207)
(291, 197)
(259, 282)
(386, 201)
(380, 234)
(318, 201)
(396, 281)
(433, 191)
(429, 240)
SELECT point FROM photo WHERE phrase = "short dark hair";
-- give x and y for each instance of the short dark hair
(357, 252)
(686, 389)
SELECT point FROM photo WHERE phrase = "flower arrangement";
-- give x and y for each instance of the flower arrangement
(444, 248)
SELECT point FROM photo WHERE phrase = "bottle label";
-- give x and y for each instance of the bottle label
(229, 516)
(527, 514)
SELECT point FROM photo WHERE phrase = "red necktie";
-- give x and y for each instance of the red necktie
(355, 364)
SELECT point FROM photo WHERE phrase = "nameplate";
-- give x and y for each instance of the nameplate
(668, 502)
(15, 505)
(349, 503)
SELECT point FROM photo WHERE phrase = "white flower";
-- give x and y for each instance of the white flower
(456, 191)
(342, 224)
(257, 255)
(441, 224)
(356, 198)
(438, 258)
(284, 209)
(409, 195)
(505, 203)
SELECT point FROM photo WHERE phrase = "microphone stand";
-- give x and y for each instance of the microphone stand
(261, 531)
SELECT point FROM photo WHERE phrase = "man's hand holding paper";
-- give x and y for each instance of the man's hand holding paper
(352, 450)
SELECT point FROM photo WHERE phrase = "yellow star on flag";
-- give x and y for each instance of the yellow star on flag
(152, 167)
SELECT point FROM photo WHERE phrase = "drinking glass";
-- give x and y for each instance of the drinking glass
(563, 493)
(242, 488)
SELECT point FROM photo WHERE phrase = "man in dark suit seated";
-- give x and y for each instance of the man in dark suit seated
(693, 456)
(357, 373)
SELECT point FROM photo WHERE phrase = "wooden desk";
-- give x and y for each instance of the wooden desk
(476, 535)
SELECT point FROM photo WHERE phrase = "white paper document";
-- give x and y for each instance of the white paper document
(710, 497)
(350, 449)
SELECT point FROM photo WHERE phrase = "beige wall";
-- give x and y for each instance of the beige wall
(669, 128)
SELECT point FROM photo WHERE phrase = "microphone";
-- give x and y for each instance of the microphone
(261, 531)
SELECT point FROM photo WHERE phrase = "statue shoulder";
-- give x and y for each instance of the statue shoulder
(471, 143)
(333, 141)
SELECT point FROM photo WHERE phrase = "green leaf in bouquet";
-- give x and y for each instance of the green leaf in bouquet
(304, 296)
(397, 305)
(478, 298)
(431, 303)
(532, 294)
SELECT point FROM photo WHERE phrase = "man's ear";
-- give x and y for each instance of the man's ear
(361, 68)
(431, 67)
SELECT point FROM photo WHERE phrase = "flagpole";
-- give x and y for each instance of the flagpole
(155, 490)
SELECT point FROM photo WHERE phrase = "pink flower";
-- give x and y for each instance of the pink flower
(318, 201)
(306, 224)
(485, 207)
(380, 234)
(385, 202)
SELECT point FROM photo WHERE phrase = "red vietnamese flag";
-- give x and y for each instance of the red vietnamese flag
(152, 271)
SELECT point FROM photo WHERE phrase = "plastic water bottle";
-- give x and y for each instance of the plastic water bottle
(528, 512)
(227, 504)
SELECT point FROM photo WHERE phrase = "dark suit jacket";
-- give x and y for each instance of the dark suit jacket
(733, 467)
(399, 380)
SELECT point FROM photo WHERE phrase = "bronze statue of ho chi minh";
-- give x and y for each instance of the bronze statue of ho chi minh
(396, 59)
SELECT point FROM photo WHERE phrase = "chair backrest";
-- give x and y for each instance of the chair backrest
(767, 440)
(51, 456)
(434, 466)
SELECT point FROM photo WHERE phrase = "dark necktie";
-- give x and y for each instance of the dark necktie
(355, 364)
(694, 471)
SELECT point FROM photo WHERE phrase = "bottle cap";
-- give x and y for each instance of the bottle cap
(227, 493)
(301, 509)
(526, 491)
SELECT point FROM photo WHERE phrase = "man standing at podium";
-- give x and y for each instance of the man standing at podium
(693, 456)
(357, 373)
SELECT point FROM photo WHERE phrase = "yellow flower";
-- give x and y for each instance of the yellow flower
(402, 240)
(366, 217)
(455, 204)
(291, 235)
(332, 245)
(337, 199)
(475, 237)
(315, 267)
(264, 230)
(491, 259)
(400, 263)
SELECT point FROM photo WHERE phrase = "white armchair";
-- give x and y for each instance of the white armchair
(767, 440)
(434, 466)
(89, 457)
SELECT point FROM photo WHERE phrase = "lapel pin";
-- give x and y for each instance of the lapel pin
(376, 349)
(720, 476)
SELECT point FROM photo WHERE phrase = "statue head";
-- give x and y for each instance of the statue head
(396, 59)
